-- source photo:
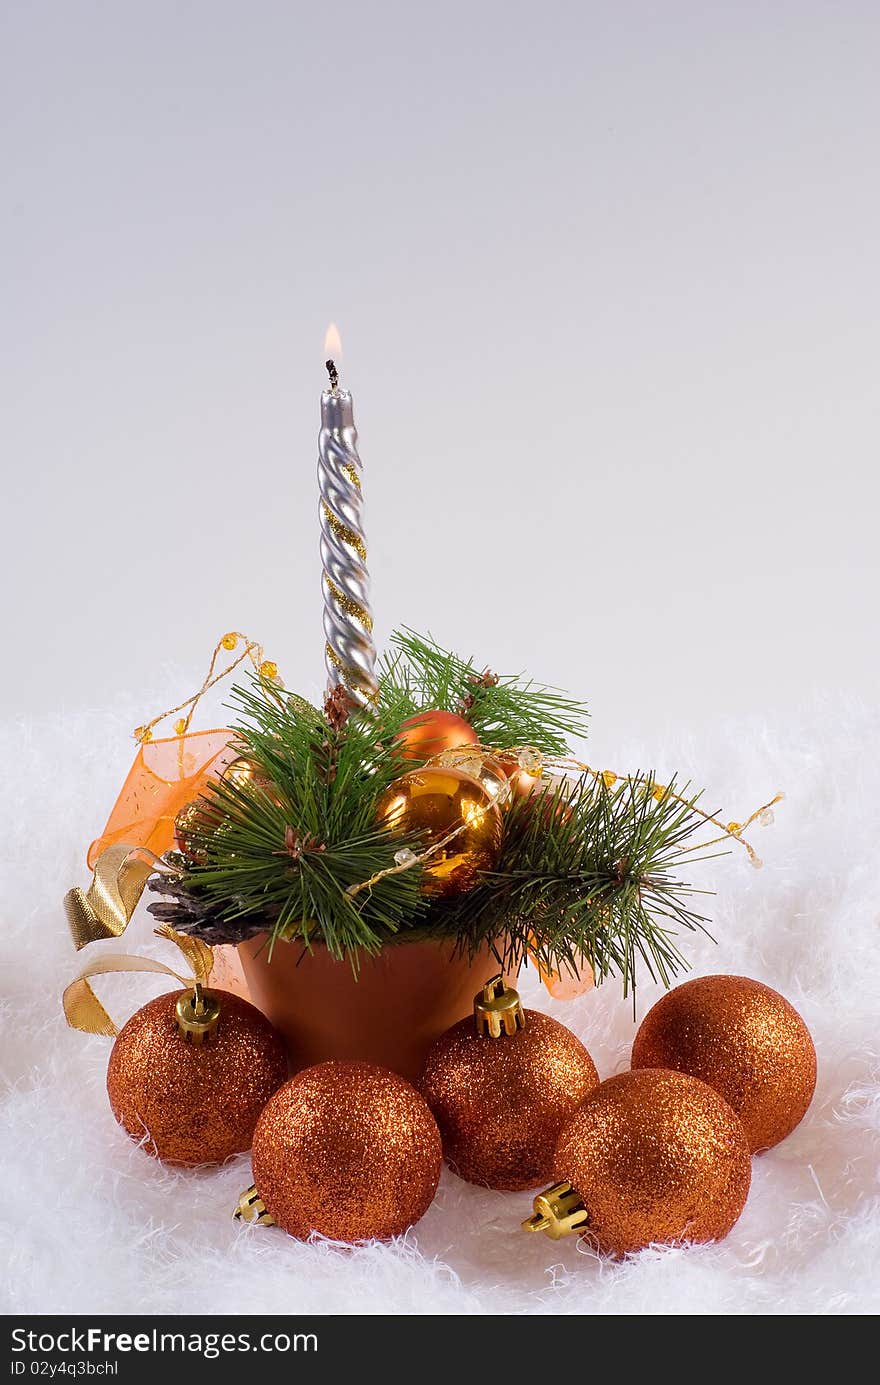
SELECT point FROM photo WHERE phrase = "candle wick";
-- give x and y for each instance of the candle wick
(333, 373)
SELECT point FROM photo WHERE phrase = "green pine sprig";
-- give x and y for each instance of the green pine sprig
(505, 710)
(288, 857)
(586, 871)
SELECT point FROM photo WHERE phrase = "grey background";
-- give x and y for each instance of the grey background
(607, 280)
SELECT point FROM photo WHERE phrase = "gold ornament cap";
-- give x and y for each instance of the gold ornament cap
(559, 1212)
(498, 1009)
(197, 1015)
(252, 1208)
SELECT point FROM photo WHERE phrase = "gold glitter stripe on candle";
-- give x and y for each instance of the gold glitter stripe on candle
(346, 670)
(344, 534)
(337, 662)
(346, 604)
(352, 475)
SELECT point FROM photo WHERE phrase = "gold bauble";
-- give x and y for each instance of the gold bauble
(745, 1040)
(437, 802)
(653, 1156)
(428, 733)
(349, 1150)
(501, 1100)
(486, 768)
(204, 816)
(245, 773)
(187, 1102)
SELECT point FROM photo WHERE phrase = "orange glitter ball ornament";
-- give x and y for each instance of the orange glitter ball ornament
(189, 1086)
(428, 733)
(745, 1040)
(651, 1156)
(349, 1150)
(502, 1085)
(441, 803)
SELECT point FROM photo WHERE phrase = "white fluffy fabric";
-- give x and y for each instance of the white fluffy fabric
(94, 1225)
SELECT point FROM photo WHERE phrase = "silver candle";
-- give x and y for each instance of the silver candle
(349, 652)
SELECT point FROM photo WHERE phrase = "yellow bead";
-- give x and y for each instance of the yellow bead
(734, 827)
(530, 760)
(180, 726)
(229, 641)
(659, 792)
(268, 669)
(609, 778)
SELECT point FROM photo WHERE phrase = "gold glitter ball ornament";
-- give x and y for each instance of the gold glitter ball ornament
(651, 1156)
(349, 1150)
(444, 803)
(188, 1101)
(501, 1086)
(195, 820)
(745, 1040)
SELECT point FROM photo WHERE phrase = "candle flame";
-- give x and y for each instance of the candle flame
(333, 343)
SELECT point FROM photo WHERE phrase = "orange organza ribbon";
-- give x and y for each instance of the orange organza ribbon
(165, 776)
(562, 984)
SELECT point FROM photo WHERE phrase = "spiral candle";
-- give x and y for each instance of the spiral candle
(349, 652)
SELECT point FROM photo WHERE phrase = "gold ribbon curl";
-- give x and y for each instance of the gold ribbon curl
(105, 911)
(82, 1008)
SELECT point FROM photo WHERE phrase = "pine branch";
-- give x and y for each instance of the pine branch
(586, 870)
(505, 710)
(587, 873)
(285, 857)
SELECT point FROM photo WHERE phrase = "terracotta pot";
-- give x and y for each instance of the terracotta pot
(227, 973)
(390, 1014)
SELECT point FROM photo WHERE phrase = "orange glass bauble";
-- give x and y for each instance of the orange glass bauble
(190, 1102)
(522, 784)
(745, 1040)
(651, 1156)
(427, 733)
(436, 802)
(349, 1150)
(502, 1092)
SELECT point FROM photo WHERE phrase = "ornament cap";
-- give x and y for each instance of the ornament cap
(197, 1015)
(252, 1208)
(498, 1009)
(559, 1212)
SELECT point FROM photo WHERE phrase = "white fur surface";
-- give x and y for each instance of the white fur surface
(91, 1224)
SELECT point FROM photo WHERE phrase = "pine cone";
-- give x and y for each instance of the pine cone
(189, 912)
